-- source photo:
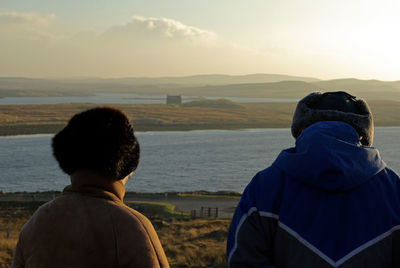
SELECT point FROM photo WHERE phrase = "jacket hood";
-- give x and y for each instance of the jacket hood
(329, 156)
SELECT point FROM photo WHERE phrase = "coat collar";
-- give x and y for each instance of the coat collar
(96, 184)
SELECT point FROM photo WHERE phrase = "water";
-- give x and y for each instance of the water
(100, 98)
(171, 161)
(124, 98)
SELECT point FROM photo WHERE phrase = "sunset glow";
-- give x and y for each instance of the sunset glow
(323, 39)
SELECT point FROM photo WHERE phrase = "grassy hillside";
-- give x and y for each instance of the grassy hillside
(195, 243)
(219, 104)
(31, 119)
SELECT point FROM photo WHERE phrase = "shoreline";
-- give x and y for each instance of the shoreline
(200, 193)
(160, 130)
(24, 130)
(21, 135)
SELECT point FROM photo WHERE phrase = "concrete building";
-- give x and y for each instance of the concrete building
(174, 99)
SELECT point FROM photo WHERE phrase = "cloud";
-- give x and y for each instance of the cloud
(144, 46)
(25, 26)
(169, 28)
(40, 45)
(14, 18)
(148, 29)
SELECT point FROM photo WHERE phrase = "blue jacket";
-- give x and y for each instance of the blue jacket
(328, 202)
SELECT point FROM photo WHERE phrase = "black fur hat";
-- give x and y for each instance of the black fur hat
(334, 106)
(101, 139)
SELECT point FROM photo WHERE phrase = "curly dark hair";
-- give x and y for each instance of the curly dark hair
(101, 139)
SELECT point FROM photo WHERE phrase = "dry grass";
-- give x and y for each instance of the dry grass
(151, 113)
(30, 119)
(49, 118)
(6, 251)
(195, 243)
(11, 222)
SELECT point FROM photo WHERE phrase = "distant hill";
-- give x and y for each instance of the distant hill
(284, 89)
(369, 89)
(213, 79)
(22, 86)
(21, 83)
(142, 82)
(254, 85)
(358, 85)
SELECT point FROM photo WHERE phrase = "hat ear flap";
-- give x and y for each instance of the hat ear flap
(366, 127)
(363, 106)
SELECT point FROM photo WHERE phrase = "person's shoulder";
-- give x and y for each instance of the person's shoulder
(127, 214)
(127, 222)
(57, 205)
(270, 174)
(264, 192)
(390, 173)
(390, 177)
(47, 208)
(136, 235)
(38, 217)
(267, 179)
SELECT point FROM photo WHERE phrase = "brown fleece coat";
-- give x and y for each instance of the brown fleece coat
(89, 227)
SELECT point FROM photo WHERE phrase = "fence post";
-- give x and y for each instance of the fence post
(216, 212)
(193, 214)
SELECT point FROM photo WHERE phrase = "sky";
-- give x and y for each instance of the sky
(131, 38)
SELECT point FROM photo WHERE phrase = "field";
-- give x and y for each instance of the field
(34, 119)
(187, 242)
(10, 224)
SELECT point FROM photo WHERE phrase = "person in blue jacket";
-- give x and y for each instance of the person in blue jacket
(328, 202)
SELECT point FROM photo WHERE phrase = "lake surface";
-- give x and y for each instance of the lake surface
(124, 98)
(209, 160)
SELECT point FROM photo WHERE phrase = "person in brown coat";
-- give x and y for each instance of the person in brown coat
(89, 225)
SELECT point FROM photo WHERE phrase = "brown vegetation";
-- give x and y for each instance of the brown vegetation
(195, 243)
(32, 119)
(11, 221)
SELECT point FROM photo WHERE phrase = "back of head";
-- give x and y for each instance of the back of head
(100, 139)
(334, 106)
